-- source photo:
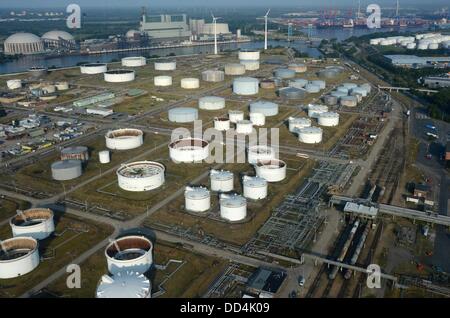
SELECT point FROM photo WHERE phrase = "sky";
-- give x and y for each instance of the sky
(29, 4)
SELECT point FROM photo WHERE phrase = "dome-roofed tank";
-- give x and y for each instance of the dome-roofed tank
(126, 284)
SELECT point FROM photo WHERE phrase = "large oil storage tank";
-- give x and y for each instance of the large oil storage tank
(255, 188)
(234, 69)
(298, 83)
(349, 86)
(245, 86)
(14, 84)
(411, 46)
(134, 61)
(348, 101)
(250, 65)
(104, 156)
(284, 73)
(292, 93)
(367, 87)
(66, 170)
(129, 253)
(310, 135)
(37, 71)
(312, 89)
(320, 83)
(264, 107)
(315, 110)
(37, 223)
(267, 84)
(221, 180)
(18, 256)
(250, 55)
(359, 90)
(330, 100)
(189, 150)
(235, 115)
(213, 76)
(273, 170)
(258, 119)
(62, 86)
(298, 67)
(211, 103)
(343, 89)
(328, 119)
(125, 284)
(222, 123)
(162, 80)
(197, 199)
(140, 176)
(75, 153)
(190, 83)
(330, 72)
(297, 123)
(124, 139)
(166, 66)
(338, 94)
(260, 152)
(244, 127)
(233, 207)
(183, 114)
(93, 68)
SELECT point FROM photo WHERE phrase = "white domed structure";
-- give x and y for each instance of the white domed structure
(222, 123)
(58, 39)
(126, 284)
(297, 123)
(328, 119)
(211, 102)
(23, 43)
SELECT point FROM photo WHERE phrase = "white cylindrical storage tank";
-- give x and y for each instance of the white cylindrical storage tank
(249, 55)
(349, 85)
(343, 89)
(358, 96)
(348, 101)
(211, 103)
(162, 80)
(48, 89)
(125, 284)
(244, 127)
(37, 223)
(222, 123)
(14, 84)
(197, 199)
(233, 208)
(104, 157)
(292, 93)
(315, 110)
(273, 170)
(264, 107)
(62, 86)
(245, 86)
(366, 87)
(183, 114)
(119, 76)
(338, 94)
(310, 135)
(134, 61)
(166, 66)
(260, 152)
(298, 68)
(297, 123)
(433, 46)
(250, 65)
(375, 41)
(93, 68)
(140, 176)
(190, 83)
(66, 170)
(359, 90)
(18, 256)
(330, 100)
(312, 89)
(423, 46)
(235, 115)
(213, 76)
(221, 180)
(124, 139)
(129, 253)
(320, 83)
(284, 73)
(255, 188)
(411, 46)
(329, 119)
(234, 69)
(258, 119)
(298, 83)
(189, 150)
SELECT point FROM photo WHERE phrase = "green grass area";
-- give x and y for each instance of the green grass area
(191, 280)
(174, 214)
(38, 176)
(9, 206)
(74, 236)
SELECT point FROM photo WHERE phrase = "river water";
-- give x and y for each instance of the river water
(24, 63)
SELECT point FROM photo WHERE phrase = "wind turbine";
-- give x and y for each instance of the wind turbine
(265, 29)
(215, 32)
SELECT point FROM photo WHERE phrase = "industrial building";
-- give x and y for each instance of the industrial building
(413, 61)
(165, 27)
(59, 40)
(266, 282)
(437, 81)
(23, 43)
